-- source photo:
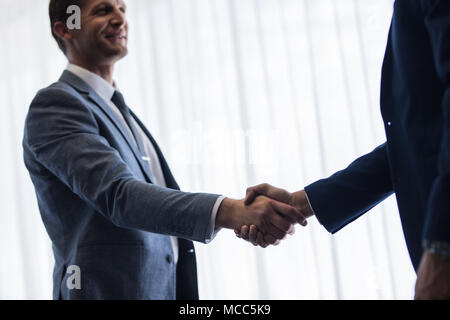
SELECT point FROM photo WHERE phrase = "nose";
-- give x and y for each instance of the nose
(119, 18)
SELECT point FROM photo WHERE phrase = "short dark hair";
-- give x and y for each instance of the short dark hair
(58, 12)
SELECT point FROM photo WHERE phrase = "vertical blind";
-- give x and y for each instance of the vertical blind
(236, 92)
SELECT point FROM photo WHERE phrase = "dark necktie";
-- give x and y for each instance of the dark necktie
(119, 102)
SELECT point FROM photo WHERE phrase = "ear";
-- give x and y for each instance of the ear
(61, 30)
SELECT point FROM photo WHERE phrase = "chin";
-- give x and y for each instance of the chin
(117, 53)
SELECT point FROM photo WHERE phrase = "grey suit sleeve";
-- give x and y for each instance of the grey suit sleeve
(63, 135)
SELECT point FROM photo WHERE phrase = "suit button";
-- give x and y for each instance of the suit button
(169, 259)
(389, 123)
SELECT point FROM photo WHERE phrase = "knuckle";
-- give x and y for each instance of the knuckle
(276, 236)
(281, 235)
(293, 211)
(269, 204)
(264, 211)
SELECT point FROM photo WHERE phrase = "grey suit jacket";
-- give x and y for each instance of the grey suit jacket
(99, 206)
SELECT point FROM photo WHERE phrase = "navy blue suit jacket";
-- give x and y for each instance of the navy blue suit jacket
(99, 205)
(415, 161)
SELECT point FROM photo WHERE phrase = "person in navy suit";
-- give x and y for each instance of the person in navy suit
(120, 226)
(414, 162)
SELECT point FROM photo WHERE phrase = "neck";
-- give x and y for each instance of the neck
(105, 70)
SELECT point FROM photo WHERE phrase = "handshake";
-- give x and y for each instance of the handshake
(266, 215)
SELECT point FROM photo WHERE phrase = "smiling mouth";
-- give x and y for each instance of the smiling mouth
(116, 36)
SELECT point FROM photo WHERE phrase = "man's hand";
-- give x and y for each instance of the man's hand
(272, 218)
(253, 235)
(297, 200)
(433, 278)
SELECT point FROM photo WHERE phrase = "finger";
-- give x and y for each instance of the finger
(274, 231)
(238, 233)
(260, 240)
(269, 239)
(252, 192)
(280, 222)
(252, 235)
(273, 240)
(289, 212)
(249, 197)
(244, 232)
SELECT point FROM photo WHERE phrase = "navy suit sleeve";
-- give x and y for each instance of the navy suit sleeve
(346, 195)
(437, 22)
(62, 134)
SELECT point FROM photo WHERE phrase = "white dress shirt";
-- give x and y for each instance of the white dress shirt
(106, 91)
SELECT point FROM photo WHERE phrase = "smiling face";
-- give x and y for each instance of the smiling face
(103, 36)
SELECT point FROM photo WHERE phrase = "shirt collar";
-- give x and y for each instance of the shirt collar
(102, 87)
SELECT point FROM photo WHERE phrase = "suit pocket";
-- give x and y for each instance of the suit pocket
(122, 272)
(106, 272)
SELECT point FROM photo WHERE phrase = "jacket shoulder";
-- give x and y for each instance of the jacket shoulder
(57, 107)
(55, 91)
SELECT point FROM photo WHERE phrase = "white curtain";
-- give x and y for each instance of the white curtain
(237, 92)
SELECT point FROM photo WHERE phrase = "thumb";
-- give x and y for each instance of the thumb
(250, 196)
(255, 191)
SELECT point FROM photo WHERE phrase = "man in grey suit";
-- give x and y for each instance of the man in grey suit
(120, 227)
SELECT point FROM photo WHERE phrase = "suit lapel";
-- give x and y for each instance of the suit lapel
(82, 87)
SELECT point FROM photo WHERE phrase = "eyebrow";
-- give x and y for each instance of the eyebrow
(108, 4)
(100, 4)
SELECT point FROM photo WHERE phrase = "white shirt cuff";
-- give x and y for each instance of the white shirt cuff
(212, 231)
(307, 198)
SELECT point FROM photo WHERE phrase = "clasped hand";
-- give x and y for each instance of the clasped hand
(297, 200)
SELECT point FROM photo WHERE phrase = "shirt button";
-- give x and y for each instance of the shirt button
(389, 123)
(169, 259)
